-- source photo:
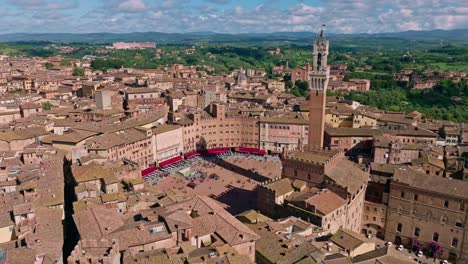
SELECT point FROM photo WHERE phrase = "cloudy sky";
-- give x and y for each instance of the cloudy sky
(230, 16)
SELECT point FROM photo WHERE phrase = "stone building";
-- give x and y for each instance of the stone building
(278, 133)
(428, 209)
(217, 127)
(300, 73)
(167, 142)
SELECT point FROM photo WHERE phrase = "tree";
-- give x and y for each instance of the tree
(48, 65)
(65, 63)
(415, 244)
(434, 249)
(332, 93)
(105, 64)
(78, 71)
(302, 85)
(47, 106)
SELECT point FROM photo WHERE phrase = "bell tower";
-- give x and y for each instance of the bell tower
(318, 82)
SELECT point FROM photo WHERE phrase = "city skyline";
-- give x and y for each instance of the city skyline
(227, 16)
(240, 149)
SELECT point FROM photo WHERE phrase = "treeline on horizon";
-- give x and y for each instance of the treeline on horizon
(377, 59)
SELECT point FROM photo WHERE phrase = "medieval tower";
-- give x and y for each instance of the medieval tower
(318, 82)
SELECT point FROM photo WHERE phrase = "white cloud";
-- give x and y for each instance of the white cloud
(340, 16)
(132, 6)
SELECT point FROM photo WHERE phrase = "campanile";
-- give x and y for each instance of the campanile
(318, 82)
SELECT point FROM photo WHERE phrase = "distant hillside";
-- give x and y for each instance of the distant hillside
(456, 34)
(210, 37)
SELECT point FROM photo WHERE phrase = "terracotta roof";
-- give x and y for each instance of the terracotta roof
(48, 233)
(336, 258)
(157, 256)
(30, 106)
(96, 222)
(395, 118)
(276, 249)
(281, 187)
(140, 90)
(72, 137)
(21, 255)
(252, 216)
(348, 175)
(299, 184)
(113, 197)
(93, 172)
(417, 132)
(164, 128)
(85, 187)
(347, 239)
(50, 197)
(106, 127)
(429, 160)
(415, 179)
(313, 156)
(326, 202)
(282, 225)
(184, 121)
(383, 168)
(5, 220)
(29, 133)
(139, 233)
(226, 226)
(352, 132)
(22, 209)
(107, 141)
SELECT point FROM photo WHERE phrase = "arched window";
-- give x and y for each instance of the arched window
(417, 232)
(435, 237)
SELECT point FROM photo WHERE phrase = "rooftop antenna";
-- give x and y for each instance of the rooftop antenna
(322, 33)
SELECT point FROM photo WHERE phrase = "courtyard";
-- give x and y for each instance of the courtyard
(229, 178)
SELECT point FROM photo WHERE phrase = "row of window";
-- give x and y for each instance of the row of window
(281, 127)
(232, 139)
(374, 219)
(446, 203)
(435, 235)
(142, 96)
(375, 209)
(232, 132)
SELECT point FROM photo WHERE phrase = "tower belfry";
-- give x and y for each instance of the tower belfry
(318, 82)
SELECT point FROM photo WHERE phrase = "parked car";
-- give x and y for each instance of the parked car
(400, 248)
